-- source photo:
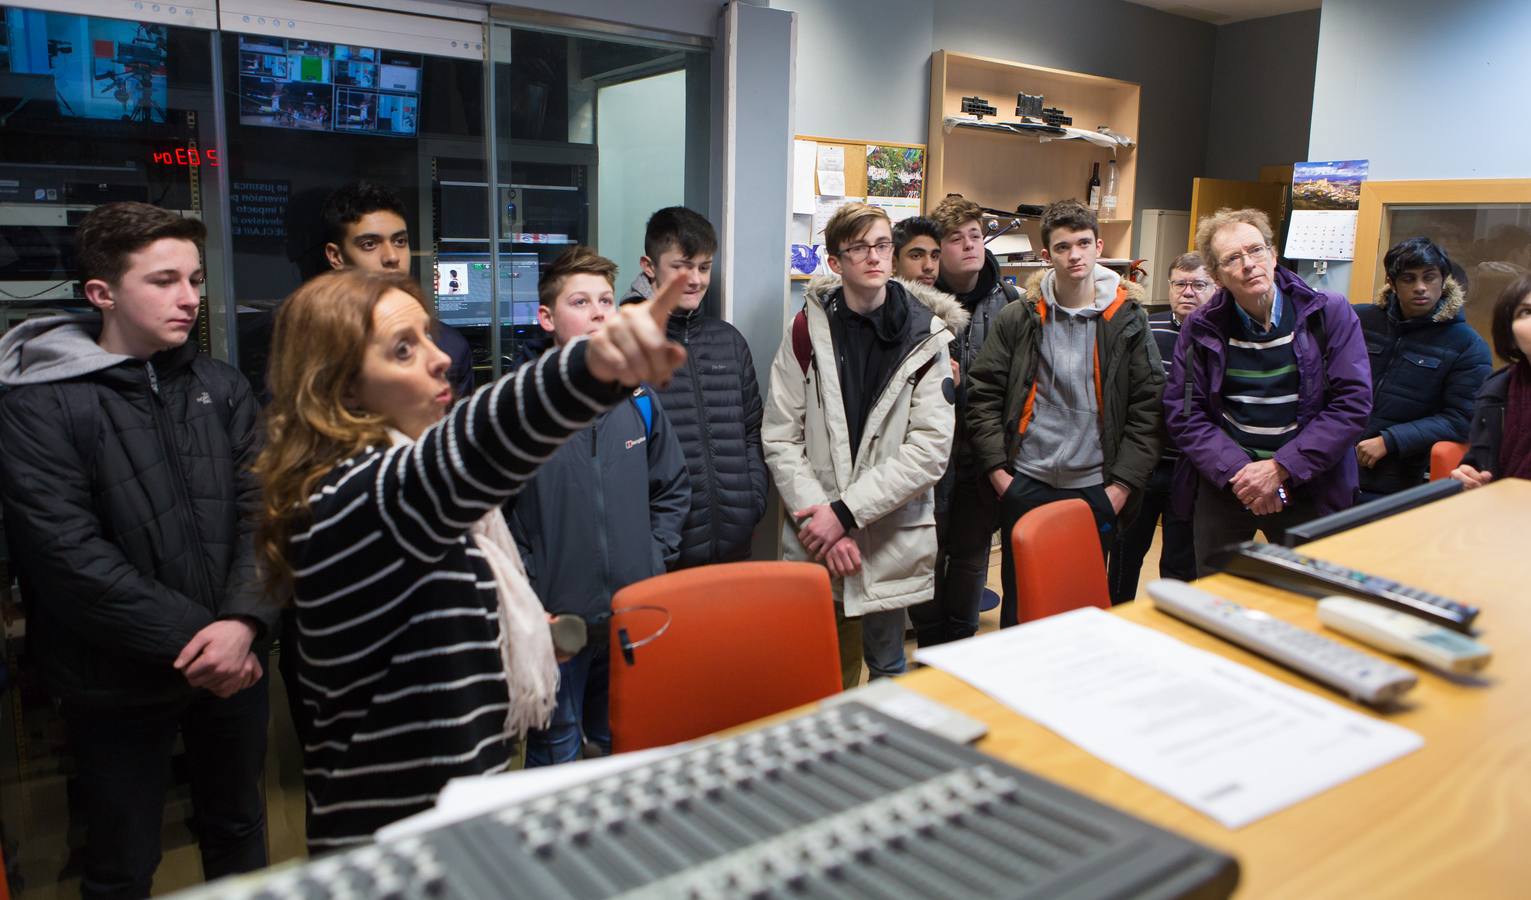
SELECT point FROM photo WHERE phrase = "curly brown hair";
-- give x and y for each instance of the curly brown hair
(317, 347)
(954, 212)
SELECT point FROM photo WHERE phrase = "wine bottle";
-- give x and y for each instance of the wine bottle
(1093, 190)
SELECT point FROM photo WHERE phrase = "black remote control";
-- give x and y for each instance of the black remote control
(1292, 571)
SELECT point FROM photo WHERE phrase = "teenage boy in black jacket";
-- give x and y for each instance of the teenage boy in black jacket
(131, 510)
(967, 511)
(1427, 365)
(713, 402)
(603, 512)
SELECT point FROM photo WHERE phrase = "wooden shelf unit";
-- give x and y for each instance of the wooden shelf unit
(1001, 170)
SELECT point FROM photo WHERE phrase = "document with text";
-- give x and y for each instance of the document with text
(1218, 736)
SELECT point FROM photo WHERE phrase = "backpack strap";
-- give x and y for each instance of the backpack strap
(645, 405)
(1012, 293)
(802, 344)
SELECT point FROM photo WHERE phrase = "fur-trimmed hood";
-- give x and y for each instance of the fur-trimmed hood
(941, 304)
(1453, 298)
(1134, 290)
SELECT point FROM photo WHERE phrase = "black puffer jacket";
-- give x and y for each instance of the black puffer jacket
(1425, 373)
(714, 405)
(1486, 435)
(129, 506)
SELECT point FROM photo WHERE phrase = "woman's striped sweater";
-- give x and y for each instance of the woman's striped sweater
(398, 670)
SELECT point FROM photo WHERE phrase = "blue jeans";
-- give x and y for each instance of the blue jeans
(122, 757)
(583, 698)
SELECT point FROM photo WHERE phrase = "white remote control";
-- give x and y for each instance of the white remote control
(1403, 634)
(1358, 675)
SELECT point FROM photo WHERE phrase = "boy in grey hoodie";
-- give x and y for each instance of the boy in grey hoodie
(1064, 399)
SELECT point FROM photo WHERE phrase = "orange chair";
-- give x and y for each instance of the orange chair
(743, 640)
(1445, 456)
(1058, 563)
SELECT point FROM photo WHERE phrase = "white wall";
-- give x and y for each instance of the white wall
(1424, 90)
(642, 168)
(863, 68)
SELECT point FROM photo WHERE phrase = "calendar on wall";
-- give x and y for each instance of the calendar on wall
(1322, 234)
(1325, 200)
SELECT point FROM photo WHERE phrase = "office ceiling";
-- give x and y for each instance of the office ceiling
(1223, 12)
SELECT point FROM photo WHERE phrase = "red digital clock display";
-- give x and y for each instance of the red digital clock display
(187, 157)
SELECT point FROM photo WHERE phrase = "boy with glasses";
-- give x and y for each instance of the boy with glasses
(1272, 444)
(1064, 400)
(1190, 287)
(857, 431)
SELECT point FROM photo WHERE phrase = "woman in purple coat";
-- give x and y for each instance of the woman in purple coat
(1270, 390)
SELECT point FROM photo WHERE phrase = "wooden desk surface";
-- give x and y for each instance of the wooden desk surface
(1444, 821)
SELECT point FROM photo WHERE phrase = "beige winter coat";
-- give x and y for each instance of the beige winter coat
(904, 449)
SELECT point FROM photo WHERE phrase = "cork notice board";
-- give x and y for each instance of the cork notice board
(830, 172)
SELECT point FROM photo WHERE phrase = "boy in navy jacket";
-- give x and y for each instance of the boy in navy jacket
(605, 511)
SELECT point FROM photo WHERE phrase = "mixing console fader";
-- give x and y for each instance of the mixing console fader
(843, 803)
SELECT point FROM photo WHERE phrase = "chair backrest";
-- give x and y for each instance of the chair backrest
(744, 640)
(1445, 456)
(1058, 563)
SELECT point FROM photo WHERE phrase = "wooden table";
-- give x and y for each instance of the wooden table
(1444, 821)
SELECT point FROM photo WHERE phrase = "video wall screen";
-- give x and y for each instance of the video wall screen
(87, 67)
(313, 86)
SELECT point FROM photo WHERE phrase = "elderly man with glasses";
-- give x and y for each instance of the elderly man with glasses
(1269, 391)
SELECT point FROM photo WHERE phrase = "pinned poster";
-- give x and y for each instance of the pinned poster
(831, 170)
(1326, 197)
(895, 171)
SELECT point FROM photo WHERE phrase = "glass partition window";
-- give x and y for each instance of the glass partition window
(92, 110)
(591, 138)
(381, 97)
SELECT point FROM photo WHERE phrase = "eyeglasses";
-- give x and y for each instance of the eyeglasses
(857, 253)
(1197, 286)
(1255, 253)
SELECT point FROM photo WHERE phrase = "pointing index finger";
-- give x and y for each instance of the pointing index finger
(666, 301)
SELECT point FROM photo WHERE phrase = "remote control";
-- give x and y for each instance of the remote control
(1404, 635)
(1292, 571)
(1358, 675)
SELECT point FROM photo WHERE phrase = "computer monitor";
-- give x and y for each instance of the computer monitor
(313, 86)
(1346, 519)
(463, 289)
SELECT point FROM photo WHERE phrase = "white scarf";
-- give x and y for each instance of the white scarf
(526, 643)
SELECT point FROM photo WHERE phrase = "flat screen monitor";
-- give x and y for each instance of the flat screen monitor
(463, 290)
(1381, 508)
(313, 86)
(93, 68)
